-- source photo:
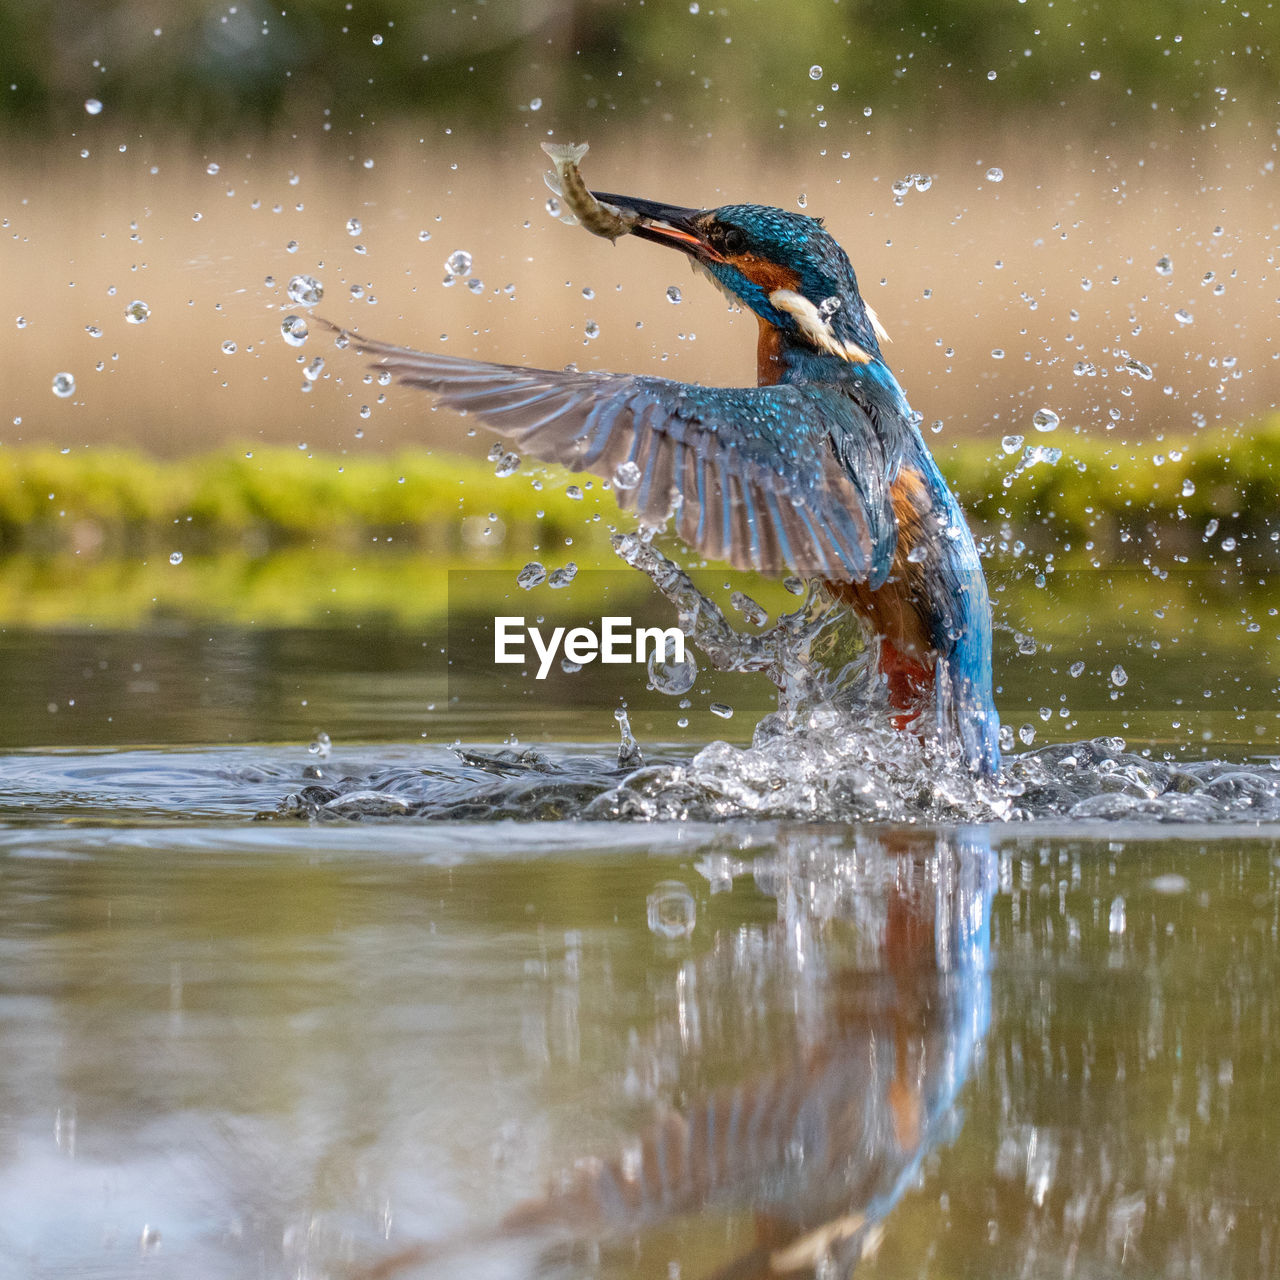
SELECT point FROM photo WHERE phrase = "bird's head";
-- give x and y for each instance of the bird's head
(785, 266)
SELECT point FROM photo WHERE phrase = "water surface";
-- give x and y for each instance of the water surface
(820, 1002)
(279, 1049)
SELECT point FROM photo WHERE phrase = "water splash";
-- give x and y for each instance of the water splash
(855, 772)
(828, 753)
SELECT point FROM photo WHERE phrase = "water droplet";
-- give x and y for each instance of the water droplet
(1170, 883)
(1095, 75)
(1027, 734)
(294, 330)
(802, 200)
(377, 39)
(917, 555)
(1188, 488)
(1164, 265)
(137, 312)
(353, 227)
(175, 557)
(815, 72)
(228, 348)
(532, 575)
(1011, 444)
(458, 263)
(306, 291)
(1076, 670)
(312, 371)
(721, 709)
(591, 329)
(671, 677)
(475, 284)
(1119, 676)
(321, 746)
(558, 578)
(673, 294)
(994, 174)
(93, 106)
(507, 465)
(997, 353)
(1045, 420)
(1183, 316)
(672, 911)
(535, 104)
(211, 168)
(991, 75)
(1143, 371)
(64, 385)
(627, 476)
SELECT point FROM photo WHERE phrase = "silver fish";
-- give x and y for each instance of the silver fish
(600, 219)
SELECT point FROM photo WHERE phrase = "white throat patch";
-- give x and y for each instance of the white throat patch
(818, 330)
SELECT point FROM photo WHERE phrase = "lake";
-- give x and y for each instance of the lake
(279, 1005)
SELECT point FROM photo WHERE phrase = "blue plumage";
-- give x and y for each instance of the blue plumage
(821, 469)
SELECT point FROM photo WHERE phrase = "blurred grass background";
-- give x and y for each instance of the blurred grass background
(1086, 501)
(1049, 204)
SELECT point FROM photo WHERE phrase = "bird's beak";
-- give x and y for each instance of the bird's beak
(667, 224)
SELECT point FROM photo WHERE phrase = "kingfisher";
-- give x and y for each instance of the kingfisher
(818, 470)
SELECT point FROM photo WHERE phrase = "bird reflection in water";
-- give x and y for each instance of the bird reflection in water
(879, 951)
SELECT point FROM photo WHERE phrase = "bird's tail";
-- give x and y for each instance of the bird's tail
(964, 700)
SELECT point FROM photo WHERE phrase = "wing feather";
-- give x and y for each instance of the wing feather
(774, 478)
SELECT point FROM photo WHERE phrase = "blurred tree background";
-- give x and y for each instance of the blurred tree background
(476, 65)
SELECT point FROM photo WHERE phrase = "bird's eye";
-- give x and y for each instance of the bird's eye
(733, 240)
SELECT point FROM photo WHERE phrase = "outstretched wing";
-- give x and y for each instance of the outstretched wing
(751, 473)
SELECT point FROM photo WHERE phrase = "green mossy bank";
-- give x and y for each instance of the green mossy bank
(1076, 496)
